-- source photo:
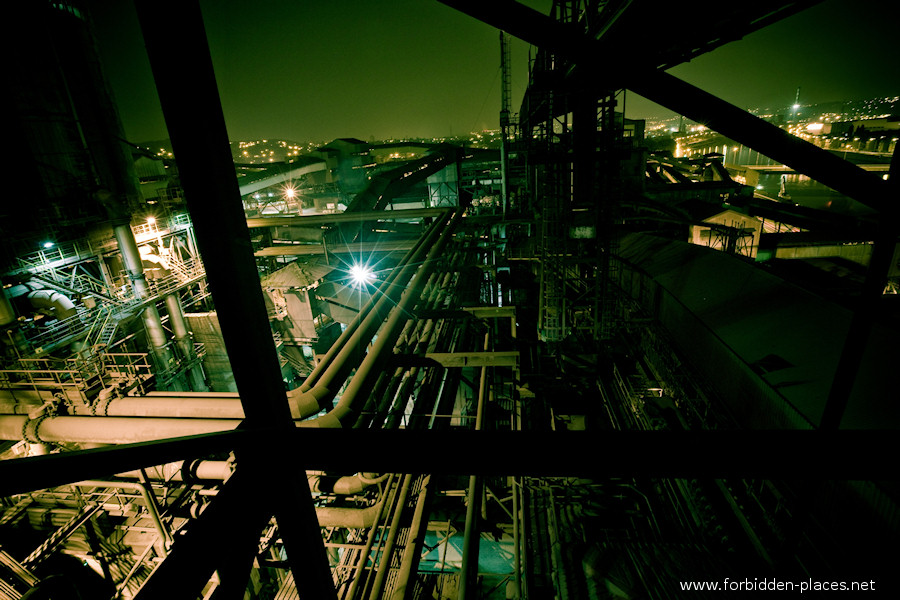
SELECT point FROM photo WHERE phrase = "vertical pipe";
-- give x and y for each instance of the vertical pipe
(165, 539)
(413, 542)
(185, 344)
(131, 258)
(384, 565)
(469, 570)
(370, 539)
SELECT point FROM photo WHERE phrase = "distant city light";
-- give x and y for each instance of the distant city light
(796, 106)
(361, 275)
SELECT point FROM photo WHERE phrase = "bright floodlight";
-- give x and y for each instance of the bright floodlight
(290, 192)
(361, 275)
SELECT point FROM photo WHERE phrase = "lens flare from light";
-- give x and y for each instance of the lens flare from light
(361, 275)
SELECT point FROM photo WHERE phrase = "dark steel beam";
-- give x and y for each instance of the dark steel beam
(641, 76)
(223, 535)
(867, 310)
(749, 130)
(764, 454)
(21, 475)
(182, 67)
(844, 454)
(320, 220)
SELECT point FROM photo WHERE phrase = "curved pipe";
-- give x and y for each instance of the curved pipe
(62, 305)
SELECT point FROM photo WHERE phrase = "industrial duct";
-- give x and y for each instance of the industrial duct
(61, 306)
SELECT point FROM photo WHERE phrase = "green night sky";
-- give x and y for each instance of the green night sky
(416, 68)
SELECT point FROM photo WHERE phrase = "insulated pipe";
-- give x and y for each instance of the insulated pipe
(131, 258)
(311, 402)
(164, 406)
(344, 486)
(378, 354)
(107, 430)
(62, 305)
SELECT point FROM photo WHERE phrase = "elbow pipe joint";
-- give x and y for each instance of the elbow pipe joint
(304, 404)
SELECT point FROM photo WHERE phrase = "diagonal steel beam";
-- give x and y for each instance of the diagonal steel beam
(22, 475)
(225, 532)
(683, 98)
(177, 47)
(741, 126)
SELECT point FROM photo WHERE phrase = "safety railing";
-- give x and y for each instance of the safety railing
(55, 256)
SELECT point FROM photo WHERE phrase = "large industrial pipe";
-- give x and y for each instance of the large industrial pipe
(346, 485)
(61, 305)
(310, 402)
(131, 259)
(106, 430)
(382, 292)
(378, 354)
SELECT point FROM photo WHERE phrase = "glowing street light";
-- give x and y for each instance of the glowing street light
(47, 244)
